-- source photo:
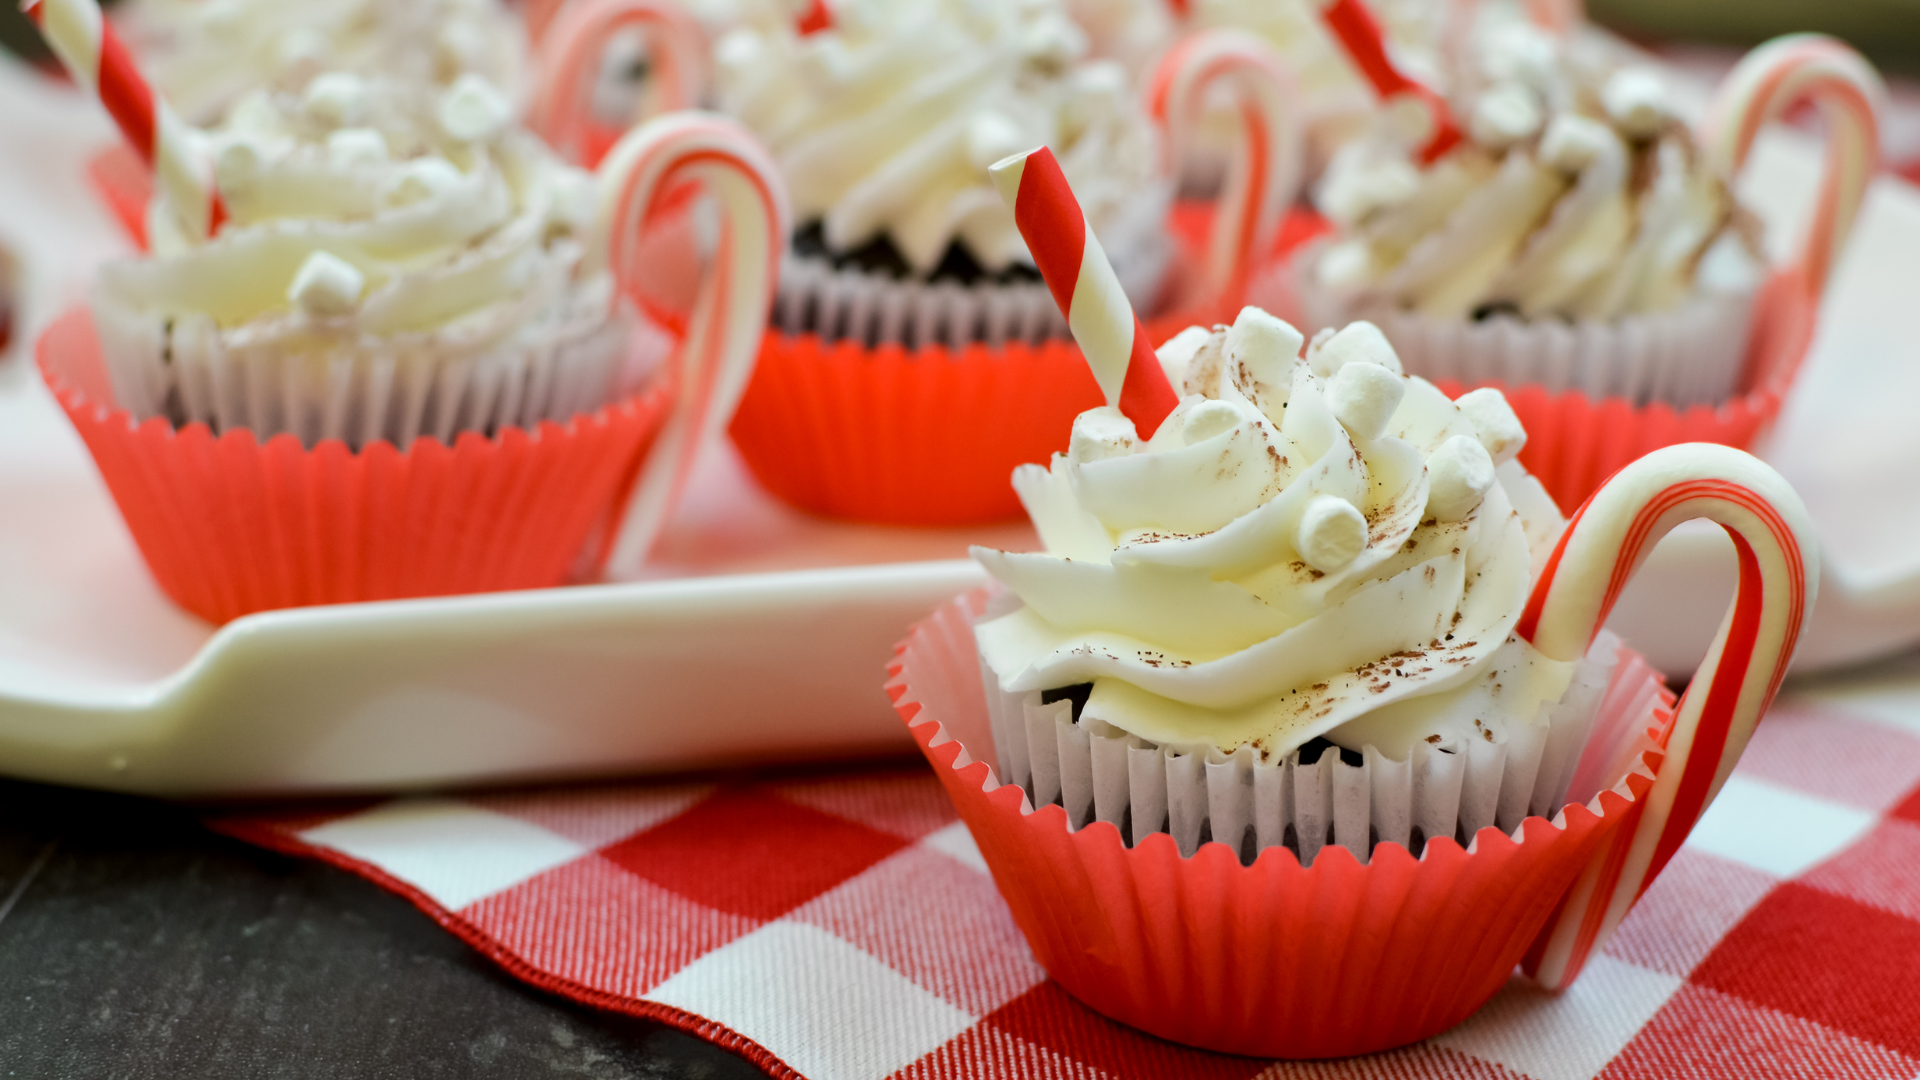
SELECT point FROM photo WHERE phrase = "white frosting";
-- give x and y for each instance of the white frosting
(886, 123)
(1292, 554)
(392, 228)
(1578, 194)
(205, 54)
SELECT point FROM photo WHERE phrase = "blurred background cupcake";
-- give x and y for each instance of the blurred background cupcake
(915, 354)
(1560, 231)
(380, 347)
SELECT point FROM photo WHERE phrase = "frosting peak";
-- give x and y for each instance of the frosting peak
(1307, 540)
(885, 123)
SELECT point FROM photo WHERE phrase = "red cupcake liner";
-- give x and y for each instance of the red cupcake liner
(1272, 959)
(930, 436)
(229, 525)
(1574, 442)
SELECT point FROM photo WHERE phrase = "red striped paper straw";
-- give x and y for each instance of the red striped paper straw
(1598, 553)
(1360, 35)
(97, 59)
(1083, 283)
(816, 18)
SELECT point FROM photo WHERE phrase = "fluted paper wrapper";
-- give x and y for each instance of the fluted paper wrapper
(1097, 772)
(1595, 396)
(1270, 958)
(230, 525)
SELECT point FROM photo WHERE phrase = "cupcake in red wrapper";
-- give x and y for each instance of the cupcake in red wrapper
(913, 343)
(1308, 690)
(1582, 249)
(403, 365)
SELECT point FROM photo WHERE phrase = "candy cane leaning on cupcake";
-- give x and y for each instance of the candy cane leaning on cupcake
(1266, 163)
(571, 64)
(1370, 946)
(905, 400)
(1607, 540)
(404, 365)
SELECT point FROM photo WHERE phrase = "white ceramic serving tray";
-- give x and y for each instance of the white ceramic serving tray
(758, 633)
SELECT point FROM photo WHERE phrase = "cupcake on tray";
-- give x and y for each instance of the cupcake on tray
(1312, 661)
(1565, 236)
(911, 330)
(380, 347)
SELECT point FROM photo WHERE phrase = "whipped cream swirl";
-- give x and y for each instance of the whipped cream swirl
(373, 209)
(885, 124)
(1309, 546)
(207, 54)
(1578, 193)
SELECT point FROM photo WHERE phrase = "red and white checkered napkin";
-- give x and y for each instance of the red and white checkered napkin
(844, 926)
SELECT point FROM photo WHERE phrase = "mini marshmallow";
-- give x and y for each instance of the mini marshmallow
(356, 146)
(1331, 533)
(1504, 115)
(1359, 190)
(1177, 354)
(1459, 475)
(422, 179)
(1357, 342)
(1494, 422)
(992, 135)
(472, 109)
(1265, 345)
(326, 285)
(1572, 142)
(338, 98)
(237, 162)
(1207, 419)
(1345, 265)
(1101, 433)
(301, 49)
(1637, 102)
(1364, 397)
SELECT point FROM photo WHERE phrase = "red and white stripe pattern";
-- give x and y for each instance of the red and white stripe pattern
(1267, 165)
(641, 175)
(816, 17)
(98, 60)
(570, 65)
(1777, 76)
(1085, 287)
(1598, 553)
(1365, 43)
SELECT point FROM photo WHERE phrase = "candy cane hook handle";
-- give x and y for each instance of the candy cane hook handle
(1267, 163)
(1602, 546)
(1779, 75)
(570, 61)
(715, 358)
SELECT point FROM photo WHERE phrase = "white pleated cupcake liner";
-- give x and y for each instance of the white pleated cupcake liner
(1694, 354)
(568, 360)
(1099, 773)
(875, 308)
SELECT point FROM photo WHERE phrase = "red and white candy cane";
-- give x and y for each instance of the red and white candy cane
(1266, 170)
(99, 61)
(1603, 545)
(1779, 75)
(570, 63)
(722, 340)
(1085, 287)
(1365, 43)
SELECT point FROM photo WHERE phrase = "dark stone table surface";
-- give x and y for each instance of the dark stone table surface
(135, 943)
